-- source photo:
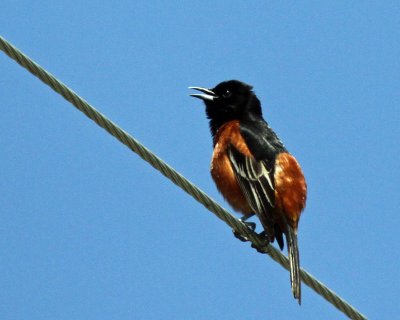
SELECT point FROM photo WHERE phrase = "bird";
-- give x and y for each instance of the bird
(252, 168)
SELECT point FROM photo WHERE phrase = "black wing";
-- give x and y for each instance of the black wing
(255, 175)
(262, 141)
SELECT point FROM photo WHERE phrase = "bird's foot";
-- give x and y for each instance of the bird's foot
(261, 249)
(251, 225)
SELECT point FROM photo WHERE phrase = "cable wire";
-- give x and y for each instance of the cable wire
(174, 176)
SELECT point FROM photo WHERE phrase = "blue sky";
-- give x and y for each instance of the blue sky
(90, 231)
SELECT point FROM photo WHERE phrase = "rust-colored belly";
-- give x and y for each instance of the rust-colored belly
(290, 188)
(221, 168)
(224, 178)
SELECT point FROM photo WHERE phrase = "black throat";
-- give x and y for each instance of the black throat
(251, 111)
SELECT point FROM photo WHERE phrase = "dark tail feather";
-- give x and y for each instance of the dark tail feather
(293, 251)
(278, 236)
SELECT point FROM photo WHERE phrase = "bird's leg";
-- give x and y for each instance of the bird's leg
(251, 225)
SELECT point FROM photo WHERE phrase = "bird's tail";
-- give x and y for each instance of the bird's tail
(294, 260)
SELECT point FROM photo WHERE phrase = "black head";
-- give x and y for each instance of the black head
(229, 100)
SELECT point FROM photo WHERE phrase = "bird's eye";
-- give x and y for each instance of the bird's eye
(226, 94)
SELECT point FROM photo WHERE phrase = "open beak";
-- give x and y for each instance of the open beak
(207, 96)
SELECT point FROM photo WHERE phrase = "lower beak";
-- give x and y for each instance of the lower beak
(207, 96)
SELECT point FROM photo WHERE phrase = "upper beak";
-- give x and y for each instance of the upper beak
(209, 95)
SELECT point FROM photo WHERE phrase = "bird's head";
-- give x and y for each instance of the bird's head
(229, 100)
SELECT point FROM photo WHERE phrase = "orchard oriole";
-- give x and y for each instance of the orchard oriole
(252, 168)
